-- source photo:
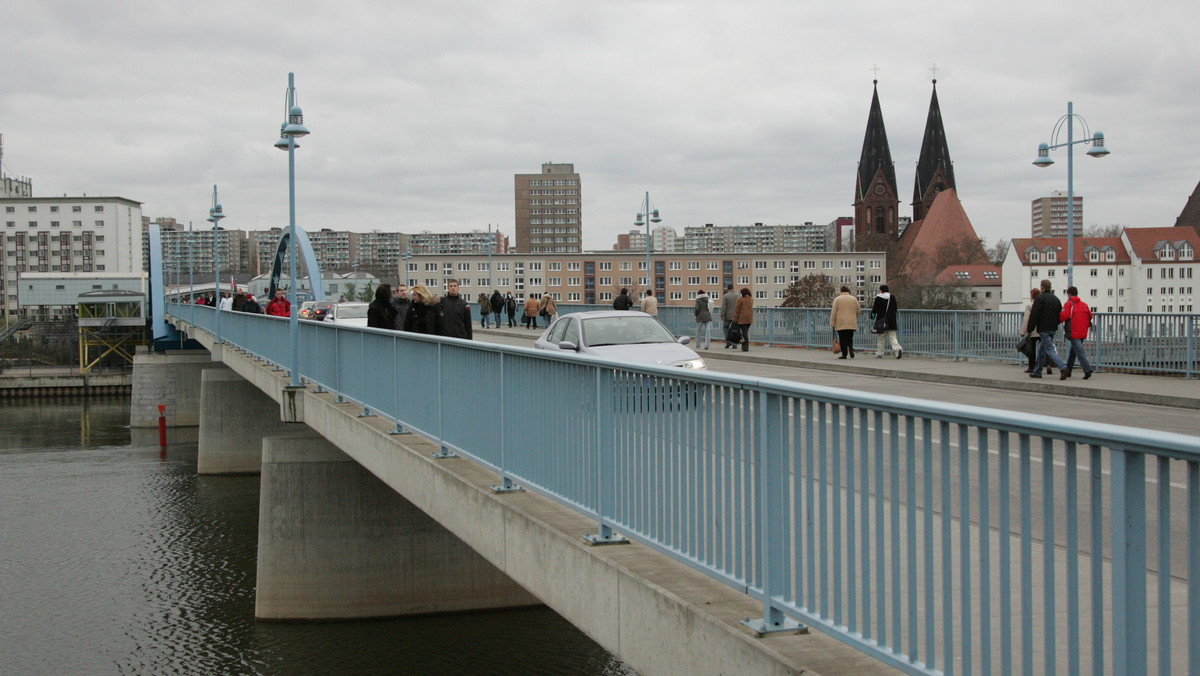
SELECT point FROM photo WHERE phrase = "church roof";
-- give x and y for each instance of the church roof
(935, 152)
(971, 275)
(1190, 216)
(876, 154)
(946, 224)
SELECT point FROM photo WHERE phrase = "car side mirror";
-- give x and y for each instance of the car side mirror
(684, 340)
(567, 345)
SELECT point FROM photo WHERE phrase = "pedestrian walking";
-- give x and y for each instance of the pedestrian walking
(843, 317)
(510, 309)
(743, 317)
(1030, 337)
(622, 301)
(728, 307)
(650, 303)
(454, 314)
(531, 310)
(485, 309)
(1044, 316)
(251, 305)
(401, 303)
(380, 313)
(884, 322)
(703, 312)
(279, 306)
(1077, 319)
(548, 308)
(497, 303)
(422, 312)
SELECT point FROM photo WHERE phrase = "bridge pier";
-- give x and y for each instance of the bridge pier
(235, 417)
(171, 379)
(335, 542)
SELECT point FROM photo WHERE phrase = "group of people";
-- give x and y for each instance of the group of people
(498, 308)
(737, 314)
(843, 317)
(244, 301)
(424, 312)
(1043, 314)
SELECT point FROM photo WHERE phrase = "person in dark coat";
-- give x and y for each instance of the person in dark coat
(380, 313)
(400, 303)
(1043, 317)
(510, 309)
(251, 305)
(422, 312)
(885, 308)
(623, 301)
(454, 313)
(497, 303)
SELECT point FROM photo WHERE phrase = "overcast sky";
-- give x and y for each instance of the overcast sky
(726, 112)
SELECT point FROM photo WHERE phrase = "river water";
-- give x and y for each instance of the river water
(118, 559)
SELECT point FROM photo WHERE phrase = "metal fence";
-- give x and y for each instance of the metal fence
(935, 537)
(1148, 343)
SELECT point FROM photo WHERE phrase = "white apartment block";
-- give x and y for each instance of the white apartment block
(80, 235)
(476, 241)
(758, 238)
(597, 277)
(1145, 270)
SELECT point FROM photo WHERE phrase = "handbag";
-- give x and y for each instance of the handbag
(735, 333)
(837, 345)
(1023, 344)
(879, 326)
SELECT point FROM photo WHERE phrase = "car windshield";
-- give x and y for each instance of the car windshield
(632, 330)
(351, 311)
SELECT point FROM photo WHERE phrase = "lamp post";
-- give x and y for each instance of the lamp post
(357, 292)
(191, 279)
(292, 129)
(215, 214)
(645, 217)
(491, 246)
(1043, 160)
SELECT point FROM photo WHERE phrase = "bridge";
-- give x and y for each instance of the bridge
(913, 536)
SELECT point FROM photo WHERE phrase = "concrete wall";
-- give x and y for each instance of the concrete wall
(170, 378)
(335, 542)
(235, 416)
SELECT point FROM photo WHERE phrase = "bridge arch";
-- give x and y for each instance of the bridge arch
(304, 246)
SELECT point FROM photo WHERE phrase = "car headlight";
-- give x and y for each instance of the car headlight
(690, 364)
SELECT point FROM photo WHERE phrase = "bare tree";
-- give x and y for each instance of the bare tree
(996, 252)
(812, 290)
(1113, 230)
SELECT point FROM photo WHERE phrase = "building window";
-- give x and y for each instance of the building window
(100, 208)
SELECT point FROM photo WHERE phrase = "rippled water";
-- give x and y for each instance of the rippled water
(115, 560)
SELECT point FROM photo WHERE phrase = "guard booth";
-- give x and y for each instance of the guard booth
(111, 324)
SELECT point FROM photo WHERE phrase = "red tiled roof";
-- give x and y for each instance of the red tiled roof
(973, 275)
(1143, 240)
(1022, 244)
(946, 223)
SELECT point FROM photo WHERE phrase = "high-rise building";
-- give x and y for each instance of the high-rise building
(548, 211)
(476, 241)
(756, 238)
(1050, 215)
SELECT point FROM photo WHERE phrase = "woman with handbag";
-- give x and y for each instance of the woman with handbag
(1028, 343)
(884, 324)
(843, 317)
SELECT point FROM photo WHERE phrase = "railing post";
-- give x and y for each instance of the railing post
(770, 484)
(957, 337)
(770, 327)
(1129, 561)
(603, 471)
(1191, 346)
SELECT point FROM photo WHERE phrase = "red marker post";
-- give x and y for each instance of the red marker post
(162, 426)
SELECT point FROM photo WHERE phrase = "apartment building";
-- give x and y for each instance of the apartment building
(759, 238)
(1050, 216)
(597, 277)
(549, 216)
(80, 235)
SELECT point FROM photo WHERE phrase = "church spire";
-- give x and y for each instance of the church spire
(875, 195)
(935, 171)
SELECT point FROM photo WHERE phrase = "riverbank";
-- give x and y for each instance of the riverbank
(62, 381)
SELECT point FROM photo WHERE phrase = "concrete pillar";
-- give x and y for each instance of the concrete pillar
(335, 542)
(235, 416)
(169, 378)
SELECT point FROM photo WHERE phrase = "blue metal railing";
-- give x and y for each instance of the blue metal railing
(1147, 343)
(937, 538)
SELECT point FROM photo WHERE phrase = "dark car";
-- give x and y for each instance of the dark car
(320, 309)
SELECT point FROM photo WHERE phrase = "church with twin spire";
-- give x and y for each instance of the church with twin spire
(939, 223)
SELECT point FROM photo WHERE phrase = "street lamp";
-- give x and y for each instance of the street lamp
(292, 129)
(645, 217)
(191, 279)
(356, 291)
(1043, 160)
(215, 214)
(491, 245)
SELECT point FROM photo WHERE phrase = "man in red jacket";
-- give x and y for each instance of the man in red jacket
(279, 306)
(1078, 318)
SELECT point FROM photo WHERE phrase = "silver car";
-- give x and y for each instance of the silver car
(348, 314)
(630, 337)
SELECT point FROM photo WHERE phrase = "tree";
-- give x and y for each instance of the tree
(1113, 230)
(997, 252)
(812, 290)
